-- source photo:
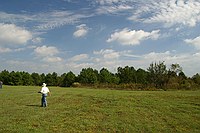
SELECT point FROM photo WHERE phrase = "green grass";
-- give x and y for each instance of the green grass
(91, 110)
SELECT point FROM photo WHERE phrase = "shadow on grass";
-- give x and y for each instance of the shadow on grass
(31, 105)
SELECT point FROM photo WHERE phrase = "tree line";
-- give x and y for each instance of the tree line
(157, 76)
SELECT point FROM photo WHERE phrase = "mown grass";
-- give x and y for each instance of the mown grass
(92, 110)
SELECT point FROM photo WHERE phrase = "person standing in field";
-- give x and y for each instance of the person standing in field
(44, 91)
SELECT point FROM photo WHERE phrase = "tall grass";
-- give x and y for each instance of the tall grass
(93, 110)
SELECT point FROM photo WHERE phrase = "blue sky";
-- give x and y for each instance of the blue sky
(48, 36)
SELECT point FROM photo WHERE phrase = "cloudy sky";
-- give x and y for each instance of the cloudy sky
(46, 36)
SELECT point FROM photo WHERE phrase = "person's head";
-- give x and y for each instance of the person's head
(44, 85)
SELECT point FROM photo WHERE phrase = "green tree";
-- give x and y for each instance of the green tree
(176, 68)
(36, 79)
(49, 79)
(88, 76)
(54, 76)
(16, 78)
(43, 78)
(127, 74)
(107, 77)
(26, 79)
(69, 79)
(5, 77)
(182, 75)
(141, 76)
(158, 74)
(62, 80)
(196, 79)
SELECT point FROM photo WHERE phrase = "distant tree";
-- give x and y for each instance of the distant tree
(62, 82)
(107, 77)
(43, 78)
(174, 80)
(49, 79)
(16, 78)
(26, 79)
(126, 77)
(54, 76)
(5, 77)
(127, 74)
(176, 68)
(172, 74)
(115, 79)
(36, 79)
(69, 79)
(196, 79)
(88, 76)
(141, 76)
(158, 74)
(182, 75)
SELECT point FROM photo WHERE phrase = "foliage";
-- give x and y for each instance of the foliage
(196, 78)
(36, 78)
(107, 77)
(127, 74)
(141, 76)
(156, 76)
(88, 76)
(76, 84)
(176, 68)
(69, 79)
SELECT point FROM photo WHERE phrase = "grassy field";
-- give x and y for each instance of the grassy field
(91, 110)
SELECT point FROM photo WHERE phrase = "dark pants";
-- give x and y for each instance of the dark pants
(44, 100)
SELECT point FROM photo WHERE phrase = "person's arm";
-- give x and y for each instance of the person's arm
(40, 91)
(49, 93)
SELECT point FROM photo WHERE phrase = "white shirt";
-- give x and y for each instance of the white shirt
(44, 90)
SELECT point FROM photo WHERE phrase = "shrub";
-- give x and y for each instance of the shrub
(76, 84)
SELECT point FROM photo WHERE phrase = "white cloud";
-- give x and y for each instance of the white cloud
(37, 40)
(14, 18)
(79, 57)
(195, 42)
(19, 49)
(46, 51)
(113, 9)
(81, 31)
(108, 2)
(47, 54)
(11, 34)
(51, 20)
(132, 37)
(78, 66)
(9, 50)
(107, 53)
(5, 50)
(107, 58)
(170, 12)
(154, 56)
(113, 6)
(43, 21)
(52, 59)
(56, 19)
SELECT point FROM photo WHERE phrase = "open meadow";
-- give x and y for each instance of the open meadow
(98, 110)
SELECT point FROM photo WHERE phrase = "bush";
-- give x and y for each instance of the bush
(76, 84)
(173, 86)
